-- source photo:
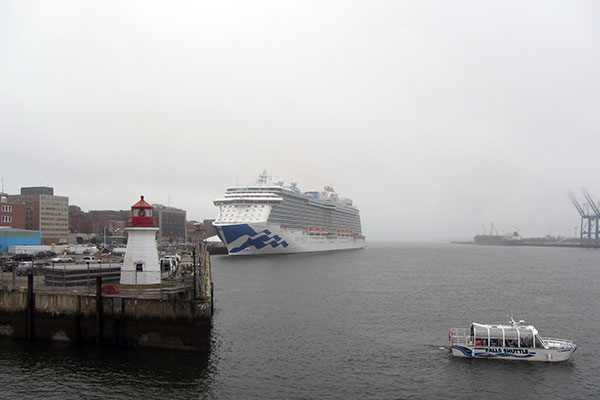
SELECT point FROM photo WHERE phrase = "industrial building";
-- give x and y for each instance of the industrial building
(17, 237)
(109, 224)
(45, 212)
(12, 213)
(171, 223)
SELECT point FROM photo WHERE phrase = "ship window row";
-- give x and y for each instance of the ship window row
(309, 217)
(235, 202)
(304, 211)
(235, 206)
(239, 213)
(308, 202)
(239, 220)
(249, 190)
(303, 216)
(246, 214)
(238, 206)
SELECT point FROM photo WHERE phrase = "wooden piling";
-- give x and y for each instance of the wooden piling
(78, 321)
(30, 308)
(99, 310)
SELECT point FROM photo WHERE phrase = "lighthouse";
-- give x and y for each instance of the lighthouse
(140, 266)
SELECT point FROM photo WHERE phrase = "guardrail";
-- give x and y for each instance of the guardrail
(81, 275)
(460, 336)
(557, 343)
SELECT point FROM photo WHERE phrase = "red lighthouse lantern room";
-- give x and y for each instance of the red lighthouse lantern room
(141, 214)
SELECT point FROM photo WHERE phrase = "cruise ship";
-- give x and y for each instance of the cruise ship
(272, 218)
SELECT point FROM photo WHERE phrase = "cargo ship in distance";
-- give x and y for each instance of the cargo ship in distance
(271, 218)
(500, 240)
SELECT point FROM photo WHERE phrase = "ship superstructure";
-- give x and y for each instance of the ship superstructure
(272, 218)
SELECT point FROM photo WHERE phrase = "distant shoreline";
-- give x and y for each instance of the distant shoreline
(526, 243)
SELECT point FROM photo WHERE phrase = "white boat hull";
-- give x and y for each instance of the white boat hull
(259, 239)
(509, 353)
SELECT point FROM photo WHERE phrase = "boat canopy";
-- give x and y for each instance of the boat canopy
(516, 335)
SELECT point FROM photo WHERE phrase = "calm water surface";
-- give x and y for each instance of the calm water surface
(369, 323)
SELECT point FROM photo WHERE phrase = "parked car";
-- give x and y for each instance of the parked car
(45, 254)
(23, 257)
(38, 267)
(24, 267)
(91, 260)
(62, 259)
(8, 265)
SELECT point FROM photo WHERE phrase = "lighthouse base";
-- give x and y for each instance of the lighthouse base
(141, 266)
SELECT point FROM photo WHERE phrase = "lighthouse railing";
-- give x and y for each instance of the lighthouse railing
(151, 222)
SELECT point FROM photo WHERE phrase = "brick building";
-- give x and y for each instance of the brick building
(171, 223)
(12, 213)
(45, 212)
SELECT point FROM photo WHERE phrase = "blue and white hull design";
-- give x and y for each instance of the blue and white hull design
(252, 239)
(509, 353)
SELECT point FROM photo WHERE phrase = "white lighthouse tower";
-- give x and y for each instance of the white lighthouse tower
(140, 266)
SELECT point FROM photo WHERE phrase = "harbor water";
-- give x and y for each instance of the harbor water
(360, 324)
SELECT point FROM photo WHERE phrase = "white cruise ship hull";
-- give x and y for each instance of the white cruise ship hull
(265, 238)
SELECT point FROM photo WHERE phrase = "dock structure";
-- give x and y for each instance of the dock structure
(175, 314)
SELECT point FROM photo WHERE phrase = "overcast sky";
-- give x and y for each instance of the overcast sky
(433, 116)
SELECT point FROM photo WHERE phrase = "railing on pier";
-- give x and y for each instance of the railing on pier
(81, 275)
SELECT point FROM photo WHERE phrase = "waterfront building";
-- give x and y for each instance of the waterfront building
(17, 237)
(171, 224)
(79, 221)
(107, 224)
(45, 212)
(12, 213)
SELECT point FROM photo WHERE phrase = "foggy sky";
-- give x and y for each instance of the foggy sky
(433, 116)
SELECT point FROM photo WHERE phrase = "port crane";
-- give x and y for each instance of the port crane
(589, 230)
(493, 230)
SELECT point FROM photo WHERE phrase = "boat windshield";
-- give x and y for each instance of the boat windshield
(511, 338)
(481, 335)
(496, 336)
(525, 337)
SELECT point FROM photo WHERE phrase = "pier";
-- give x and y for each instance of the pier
(175, 314)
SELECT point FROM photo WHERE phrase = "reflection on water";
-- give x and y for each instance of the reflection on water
(55, 370)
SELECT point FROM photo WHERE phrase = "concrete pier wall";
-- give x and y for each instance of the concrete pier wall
(118, 320)
(176, 315)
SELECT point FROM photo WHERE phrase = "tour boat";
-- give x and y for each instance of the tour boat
(515, 341)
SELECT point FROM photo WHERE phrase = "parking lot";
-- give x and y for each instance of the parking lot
(14, 270)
